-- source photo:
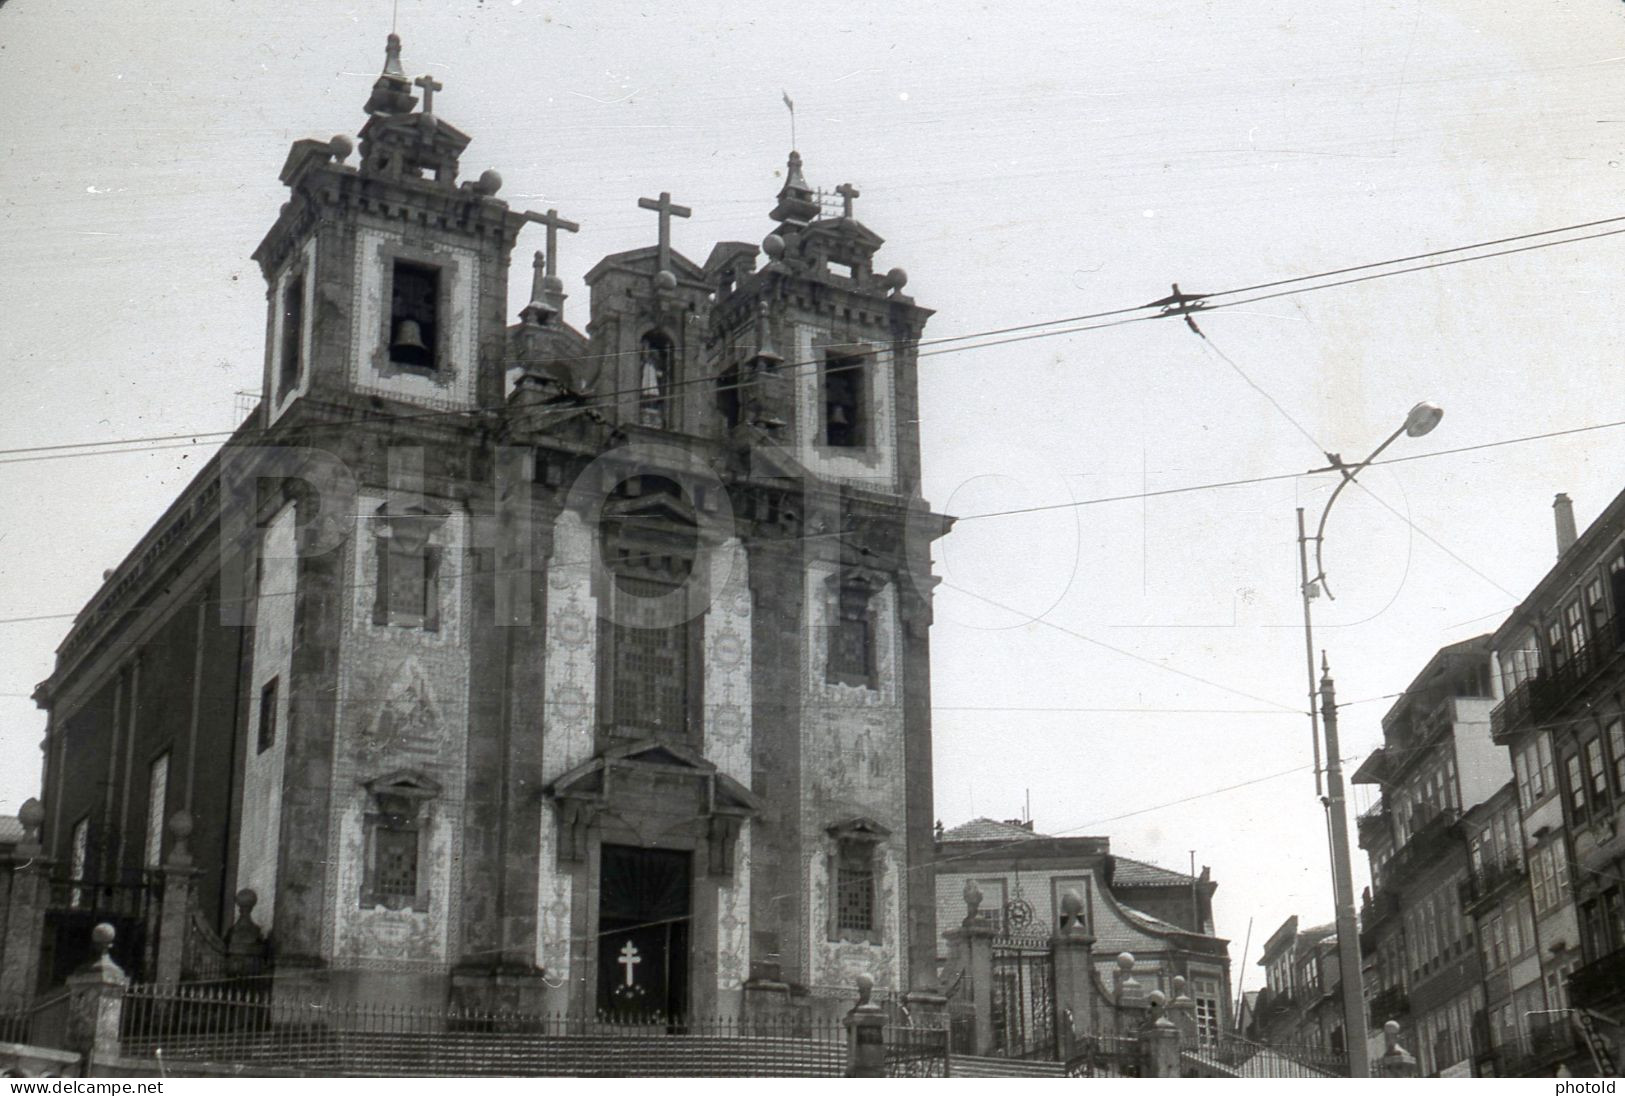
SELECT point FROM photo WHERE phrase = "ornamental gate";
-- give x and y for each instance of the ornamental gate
(1023, 1017)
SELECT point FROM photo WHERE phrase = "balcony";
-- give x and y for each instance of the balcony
(1491, 880)
(1392, 1003)
(1373, 825)
(1600, 982)
(1550, 1040)
(1543, 696)
(1429, 839)
(1375, 910)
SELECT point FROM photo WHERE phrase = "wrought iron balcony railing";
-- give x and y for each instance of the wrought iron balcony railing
(1544, 695)
(1600, 982)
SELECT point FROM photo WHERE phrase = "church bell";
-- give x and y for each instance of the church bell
(838, 416)
(408, 345)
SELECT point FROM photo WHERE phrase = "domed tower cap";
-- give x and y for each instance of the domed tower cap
(392, 91)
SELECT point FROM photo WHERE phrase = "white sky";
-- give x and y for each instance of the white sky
(1026, 161)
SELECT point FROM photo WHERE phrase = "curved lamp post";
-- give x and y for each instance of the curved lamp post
(1421, 419)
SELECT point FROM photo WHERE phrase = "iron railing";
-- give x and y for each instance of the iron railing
(1599, 982)
(1485, 881)
(44, 1023)
(1104, 1056)
(916, 1051)
(273, 1028)
(1549, 1040)
(1023, 1019)
(1392, 1003)
(1543, 695)
(1241, 1057)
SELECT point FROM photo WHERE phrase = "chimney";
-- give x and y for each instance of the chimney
(1563, 512)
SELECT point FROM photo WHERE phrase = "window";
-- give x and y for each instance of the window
(157, 796)
(414, 315)
(1596, 770)
(1616, 745)
(1535, 776)
(650, 671)
(1497, 950)
(293, 327)
(79, 859)
(267, 732)
(397, 867)
(656, 357)
(843, 386)
(408, 581)
(1554, 639)
(1577, 787)
(854, 867)
(855, 887)
(852, 636)
(1205, 992)
(395, 831)
(1596, 608)
(1575, 626)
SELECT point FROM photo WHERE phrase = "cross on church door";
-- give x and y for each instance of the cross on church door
(643, 933)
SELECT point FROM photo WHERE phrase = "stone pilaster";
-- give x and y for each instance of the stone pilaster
(1072, 950)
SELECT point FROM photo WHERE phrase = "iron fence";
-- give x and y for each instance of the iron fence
(1023, 1017)
(1104, 1056)
(43, 1023)
(916, 1051)
(272, 1026)
(1241, 1057)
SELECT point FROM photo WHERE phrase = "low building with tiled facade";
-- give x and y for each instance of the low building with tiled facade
(1163, 918)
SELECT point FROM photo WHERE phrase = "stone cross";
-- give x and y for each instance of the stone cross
(629, 959)
(429, 85)
(667, 210)
(847, 192)
(554, 222)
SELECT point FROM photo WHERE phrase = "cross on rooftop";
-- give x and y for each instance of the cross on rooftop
(553, 222)
(429, 85)
(847, 192)
(667, 210)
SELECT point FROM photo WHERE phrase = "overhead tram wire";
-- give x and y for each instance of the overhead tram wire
(1134, 496)
(1188, 304)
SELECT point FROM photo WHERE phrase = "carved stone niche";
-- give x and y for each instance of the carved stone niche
(853, 656)
(396, 841)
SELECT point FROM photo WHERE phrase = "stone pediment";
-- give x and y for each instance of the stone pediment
(654, 509)
(646, 261)
(619, 781)
(834, 235)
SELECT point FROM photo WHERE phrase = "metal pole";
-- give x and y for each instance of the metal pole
(1348, 938)
(1308, 646)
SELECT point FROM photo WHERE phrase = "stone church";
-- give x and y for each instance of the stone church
(516, 664)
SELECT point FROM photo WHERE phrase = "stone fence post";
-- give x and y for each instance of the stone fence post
(1129, 1000)
(974, 941)
(96, 1004)
(1077, 1006)
(26, 903)
(1159, 1040)
(1396, 1061)
(246, 948)
(175, 915)
(1182, 1011)
(865, 1034)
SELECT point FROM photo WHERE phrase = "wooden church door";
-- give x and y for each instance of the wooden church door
(643, 933)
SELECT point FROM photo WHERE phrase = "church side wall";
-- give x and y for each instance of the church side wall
(263, 770)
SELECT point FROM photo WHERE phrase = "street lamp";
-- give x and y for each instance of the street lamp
(1421, 419)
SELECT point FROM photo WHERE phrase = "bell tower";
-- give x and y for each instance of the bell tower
(386, 277)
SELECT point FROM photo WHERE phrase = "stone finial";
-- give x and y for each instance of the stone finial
(103, 936)
(1157, 998)
(973, 899)
(340, 147)
(180, 827)
(1179, 988)
(866, 989)
(1125, 961)
(32, 816)
(1390, 1035)
(489, 183)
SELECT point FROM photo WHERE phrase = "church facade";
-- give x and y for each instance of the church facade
(521, 665)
